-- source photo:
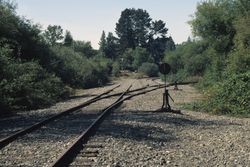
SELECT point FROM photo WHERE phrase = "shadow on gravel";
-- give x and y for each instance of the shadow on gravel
(153, 127)
(147, 126)
(16, 122)
(172, 119)
(138, 133)
(68, 127)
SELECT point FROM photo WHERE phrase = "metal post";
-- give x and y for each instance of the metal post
(165, 69)
(166, 106)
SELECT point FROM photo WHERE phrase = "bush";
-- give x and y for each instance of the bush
(231, 96)
(28, 86)
(115, 69)
(140, 56)
(98, 73)
(78, 71)
(149, 69)
(127, 60)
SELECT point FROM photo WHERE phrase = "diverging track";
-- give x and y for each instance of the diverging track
(78, 147)
(43, 143)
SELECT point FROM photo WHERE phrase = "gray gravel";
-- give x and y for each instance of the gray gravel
(43, 146)
(136, 135)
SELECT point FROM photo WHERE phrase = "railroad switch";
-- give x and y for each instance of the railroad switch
(166, 106)
(165, 68)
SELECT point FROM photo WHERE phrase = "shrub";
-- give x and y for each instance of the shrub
(115, 69)
(98, 72)
(140, 56)
(28, 86)
(149, 69)
(127, 60)
(79, 71)
(231, 96)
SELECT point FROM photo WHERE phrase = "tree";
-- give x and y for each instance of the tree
(135, 28)
(84, 48)
(8, 20)
(68, 39)
(127, 59)
(141, 56)
(111, 47)
(53, 34)
(132, 28)
(170, 45)
(103, 42)
(157, 40)
(213, 22)
(21, 36)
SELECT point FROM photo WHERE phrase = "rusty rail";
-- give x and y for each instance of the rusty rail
(68, 155)
(31, 128)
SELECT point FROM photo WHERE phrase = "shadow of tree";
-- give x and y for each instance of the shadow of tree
(153, 127)
(147, 126)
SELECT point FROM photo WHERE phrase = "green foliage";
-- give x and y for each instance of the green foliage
(99, 72)
(53, 34)
(34, 68)
(213, 22)
(116, 69)
(135, 28)
(78, 71)
(8, 20)
(132, 28)
(84, 48)
(111, 50)
(20, 35)
(103, 42)
(189, 59)
(220, 55)
(109, 46)
(127, 59)
(132, 59)
(140, 56)
(27, 85)
(149, 69)
(232, 96)
(239, 59)
(68, 39)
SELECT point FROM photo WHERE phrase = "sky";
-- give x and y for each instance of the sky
(86, 19)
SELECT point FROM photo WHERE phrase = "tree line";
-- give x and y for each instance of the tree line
(219, 54)
(139, 41)
(40, 67)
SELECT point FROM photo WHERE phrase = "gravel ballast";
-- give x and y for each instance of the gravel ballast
(137, 135)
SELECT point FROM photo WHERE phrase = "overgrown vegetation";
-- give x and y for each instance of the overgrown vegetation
(149, 69)
(139, 40)
(220, 54)
(36, 66)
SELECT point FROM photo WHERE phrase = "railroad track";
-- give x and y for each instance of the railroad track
(10, 138)
(79, 152)
(60, 131)
(5, 141)
(49, 128)
(70, 118)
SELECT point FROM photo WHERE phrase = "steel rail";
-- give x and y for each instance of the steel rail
(69, 154)
(4, 142)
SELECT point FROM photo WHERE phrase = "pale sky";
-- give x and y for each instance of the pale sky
(86, 19)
